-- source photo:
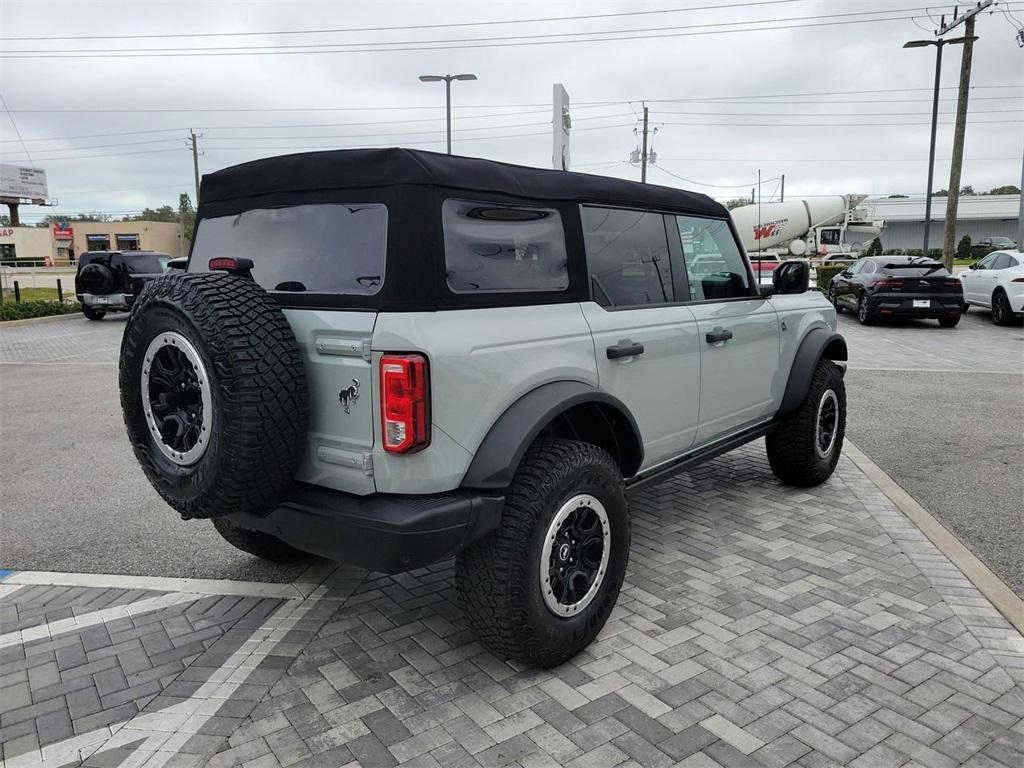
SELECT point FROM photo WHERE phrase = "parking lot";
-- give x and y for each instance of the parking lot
(759, 624)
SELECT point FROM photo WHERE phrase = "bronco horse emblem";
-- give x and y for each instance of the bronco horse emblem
(349, 395)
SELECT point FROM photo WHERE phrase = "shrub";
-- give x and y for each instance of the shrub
(894, 252)
(963, 248)
(10, 310)
(824, 274)
(875, 249)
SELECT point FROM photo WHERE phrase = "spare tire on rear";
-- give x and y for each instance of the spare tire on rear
(96, 278)
(213, 392)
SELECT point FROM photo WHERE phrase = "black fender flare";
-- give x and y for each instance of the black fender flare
(505, 444)
(817, 344)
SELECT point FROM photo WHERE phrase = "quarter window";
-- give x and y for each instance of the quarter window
(492, 248)
(714, 264)
(1002, 261)
(627, 255)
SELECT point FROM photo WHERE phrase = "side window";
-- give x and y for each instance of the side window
(1002, 261)
(627, 255)
(493, 248)
(830, 237)
(714, 264)
(987, 262)
(868, 268)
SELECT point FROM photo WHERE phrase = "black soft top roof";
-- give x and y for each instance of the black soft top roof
(375, 168)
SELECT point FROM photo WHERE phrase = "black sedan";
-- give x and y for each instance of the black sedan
(878, 287)
(989, 244)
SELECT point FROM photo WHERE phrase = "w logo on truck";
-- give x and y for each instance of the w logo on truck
(769, 229)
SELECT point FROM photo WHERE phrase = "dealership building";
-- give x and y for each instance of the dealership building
(61, 243)
(979, 216)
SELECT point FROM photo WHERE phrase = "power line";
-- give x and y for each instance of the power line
(469, 43)
(706, 184)
(17, 132)
(406, 27)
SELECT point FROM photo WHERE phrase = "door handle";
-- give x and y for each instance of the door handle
(717, 335)
(625, 348)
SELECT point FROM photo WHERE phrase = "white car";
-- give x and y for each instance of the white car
(996, 282)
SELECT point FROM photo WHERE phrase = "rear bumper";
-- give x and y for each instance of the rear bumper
(382, 532)
(902, 305)
(107, 301)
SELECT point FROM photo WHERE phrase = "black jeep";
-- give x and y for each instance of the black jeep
(109, 281)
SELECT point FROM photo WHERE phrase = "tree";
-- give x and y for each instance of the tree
(186, 214)
(963, 248)
(736, 202)
(5, 221)
(875, 248)
(892, 197)
(1007, 189)
(163, 213)
(941, 193)
(967, 190)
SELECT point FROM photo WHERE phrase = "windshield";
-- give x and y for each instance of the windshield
(329, 248)
(144, 263)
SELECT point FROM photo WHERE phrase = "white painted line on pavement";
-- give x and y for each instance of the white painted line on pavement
(160, 584)
(92, 618)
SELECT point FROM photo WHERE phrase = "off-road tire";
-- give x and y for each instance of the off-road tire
(792, 450)
(864, 315)
(93, 314)
(262, 545)
(949, 322)
(257, 380)
(498, 578)
(1002, 313)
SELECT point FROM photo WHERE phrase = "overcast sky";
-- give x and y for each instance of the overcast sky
(725, 105)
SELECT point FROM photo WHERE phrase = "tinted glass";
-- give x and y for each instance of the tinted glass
(491, 248)
(986, 263)
(1002, 261)
(830, 237)
(627, 255)
(327, 248)
(914, 269)
(714, 264)
(867, 268)
(144, 263)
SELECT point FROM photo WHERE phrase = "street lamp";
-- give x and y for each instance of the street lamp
(938, 43)
(447, 96)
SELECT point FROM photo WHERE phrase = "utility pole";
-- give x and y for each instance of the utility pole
(782, 190)
(643, 154)
(1020, 217)
(956, 166)
(195, 160)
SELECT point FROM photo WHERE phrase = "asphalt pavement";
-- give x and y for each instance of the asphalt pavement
(938, 409)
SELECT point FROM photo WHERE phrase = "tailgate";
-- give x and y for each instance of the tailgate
(927, 285)
(336, 349)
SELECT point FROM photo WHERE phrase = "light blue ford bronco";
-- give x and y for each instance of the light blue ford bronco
(391, 357)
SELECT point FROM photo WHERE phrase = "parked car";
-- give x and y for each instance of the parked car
(989, 244)
(110, 281)
(389, 357)
(898, 287)
(996, 282)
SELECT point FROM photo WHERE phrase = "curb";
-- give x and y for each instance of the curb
(991, 586)
(35, 320)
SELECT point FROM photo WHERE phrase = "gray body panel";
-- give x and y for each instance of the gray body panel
(682, 392)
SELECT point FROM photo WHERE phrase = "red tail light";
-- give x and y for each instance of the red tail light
(404, 403)
(888, 283)
(224, 262)
(952, 283)
(1017, 280)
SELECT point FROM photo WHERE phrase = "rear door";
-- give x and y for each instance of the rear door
(738, 330)
(645, 342)
(309, 251)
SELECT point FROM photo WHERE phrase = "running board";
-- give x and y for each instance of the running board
(691, 460)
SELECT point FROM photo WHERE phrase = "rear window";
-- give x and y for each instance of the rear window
(490, 248)
(914, 269)
(322, 248)
(145, 263)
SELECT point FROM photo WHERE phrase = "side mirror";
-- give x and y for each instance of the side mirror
(793, 276)
(765, 291)
(180, 263)
(974, 265)
(846, 273)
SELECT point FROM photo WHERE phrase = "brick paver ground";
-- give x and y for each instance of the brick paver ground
(759, 625)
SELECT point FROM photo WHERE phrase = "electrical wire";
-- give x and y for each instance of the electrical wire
(478, 43)
(706, 184)
(24, 148)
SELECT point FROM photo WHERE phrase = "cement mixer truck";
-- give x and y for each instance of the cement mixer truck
(833, 227)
